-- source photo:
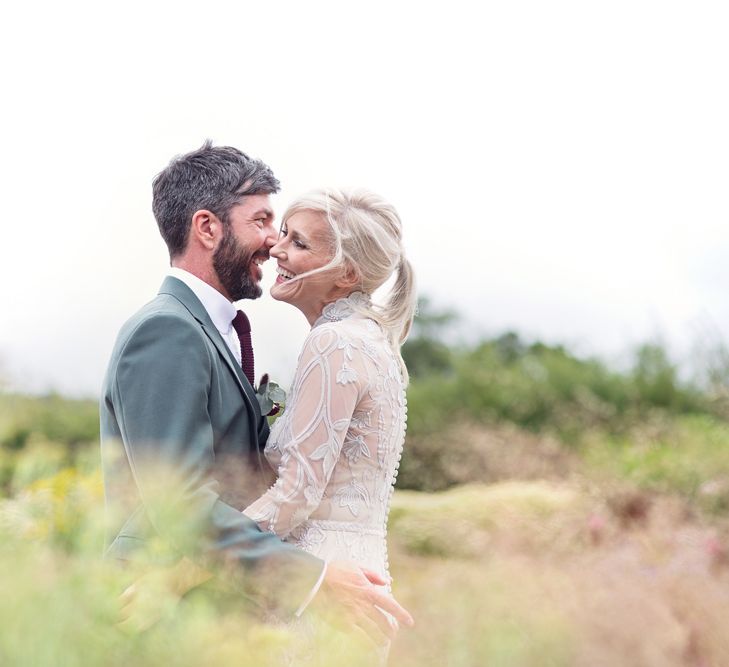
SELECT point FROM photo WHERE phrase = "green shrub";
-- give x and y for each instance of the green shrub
(69, 422)
(545, 388)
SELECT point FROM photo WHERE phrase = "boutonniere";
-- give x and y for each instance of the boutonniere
(270, 397)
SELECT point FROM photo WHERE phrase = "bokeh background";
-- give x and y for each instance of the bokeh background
(560, 169)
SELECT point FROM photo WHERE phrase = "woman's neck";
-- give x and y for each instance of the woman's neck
(315, 312)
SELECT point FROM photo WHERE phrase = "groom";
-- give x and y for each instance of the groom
(178, 411)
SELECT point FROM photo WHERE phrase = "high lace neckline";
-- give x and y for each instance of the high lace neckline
(343, 308)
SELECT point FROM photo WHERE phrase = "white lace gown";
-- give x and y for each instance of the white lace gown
(338, 444)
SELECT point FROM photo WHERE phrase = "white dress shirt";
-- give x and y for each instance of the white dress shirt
(222, 312)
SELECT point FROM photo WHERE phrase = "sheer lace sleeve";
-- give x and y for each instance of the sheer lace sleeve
(329, 380)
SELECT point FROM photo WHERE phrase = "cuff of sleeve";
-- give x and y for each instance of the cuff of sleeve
(312, 593)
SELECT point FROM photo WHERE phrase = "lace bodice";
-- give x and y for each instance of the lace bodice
(338, 444)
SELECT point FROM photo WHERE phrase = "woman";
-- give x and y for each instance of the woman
(338, 444)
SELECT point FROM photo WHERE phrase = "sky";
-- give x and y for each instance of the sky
(560, 168)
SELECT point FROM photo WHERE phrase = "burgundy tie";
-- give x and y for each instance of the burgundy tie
(243, 328)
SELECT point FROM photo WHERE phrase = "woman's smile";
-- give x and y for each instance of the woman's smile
(283, 274)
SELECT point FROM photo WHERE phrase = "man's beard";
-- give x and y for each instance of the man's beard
(232, 264)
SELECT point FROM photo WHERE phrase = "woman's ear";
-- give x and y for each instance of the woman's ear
(206, 229)
(349, 279)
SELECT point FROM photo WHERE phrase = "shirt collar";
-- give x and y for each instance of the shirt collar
(221, 310)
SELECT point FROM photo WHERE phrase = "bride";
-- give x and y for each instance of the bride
(337, 446)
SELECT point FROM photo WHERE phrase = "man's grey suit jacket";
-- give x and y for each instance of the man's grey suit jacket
(177, 413)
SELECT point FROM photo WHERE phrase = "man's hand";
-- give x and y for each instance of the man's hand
(155, 594)
(146, 602)
(354, 591)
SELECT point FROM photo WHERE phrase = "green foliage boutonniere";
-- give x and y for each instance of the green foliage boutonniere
(270, 397)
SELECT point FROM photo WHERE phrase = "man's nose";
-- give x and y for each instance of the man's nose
(276, 250)
(272, 237)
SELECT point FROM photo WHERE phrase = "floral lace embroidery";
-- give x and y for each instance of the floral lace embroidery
(338, 444)
(343, 308)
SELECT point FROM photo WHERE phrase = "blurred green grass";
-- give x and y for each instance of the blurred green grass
(550, 511)
(688, 456)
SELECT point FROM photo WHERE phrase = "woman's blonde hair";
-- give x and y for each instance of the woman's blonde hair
(367, 239)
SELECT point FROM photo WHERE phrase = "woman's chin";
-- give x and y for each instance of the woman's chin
(278, 292)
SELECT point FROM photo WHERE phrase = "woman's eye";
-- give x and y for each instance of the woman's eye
(299, 244)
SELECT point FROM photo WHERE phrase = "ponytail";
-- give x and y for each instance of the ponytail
(398, 313)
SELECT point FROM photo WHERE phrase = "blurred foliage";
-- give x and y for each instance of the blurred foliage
(538, 387)
(688, 456)
(531, 574)
(39, 434)
(554, 574)
(543, 389)
(54, 418)
(61, 603)
(425, 351)
(468, 404)
(585, 521)
(475, 512)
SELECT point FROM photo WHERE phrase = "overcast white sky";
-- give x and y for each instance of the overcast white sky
(561, 168)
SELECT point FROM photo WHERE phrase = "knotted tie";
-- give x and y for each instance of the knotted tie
(243, 328)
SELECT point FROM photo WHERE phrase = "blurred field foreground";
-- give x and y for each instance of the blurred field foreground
(550, 511)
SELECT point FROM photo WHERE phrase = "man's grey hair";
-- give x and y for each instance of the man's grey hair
(214, 178)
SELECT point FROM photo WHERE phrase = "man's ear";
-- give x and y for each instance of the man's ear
(206, 229)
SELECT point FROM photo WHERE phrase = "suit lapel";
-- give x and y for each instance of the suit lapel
(185, 295)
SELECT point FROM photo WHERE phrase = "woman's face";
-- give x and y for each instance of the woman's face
(304, 244)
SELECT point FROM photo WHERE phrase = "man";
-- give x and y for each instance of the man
(177, 409)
